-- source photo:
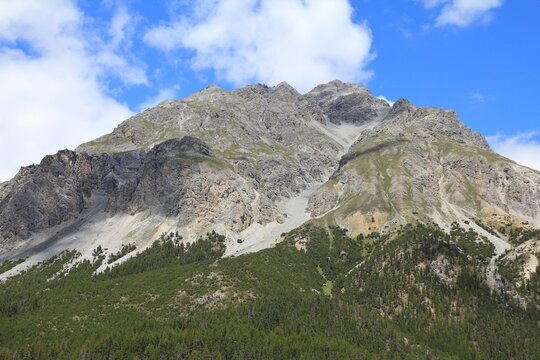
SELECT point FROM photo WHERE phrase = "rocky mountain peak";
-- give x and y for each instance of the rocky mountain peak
(211, 94)
(285, 86)
(425, 123)
(283, 92)
(337, 88)
(347, 103)
(250, 91)
(402, 105)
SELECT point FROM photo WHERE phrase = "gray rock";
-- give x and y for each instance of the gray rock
(347, 103)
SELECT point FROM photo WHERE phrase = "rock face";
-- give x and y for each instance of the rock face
(178, 178)
(423, 163)
(181, 179)
(50, 193)
(229, 161)
(347, 103)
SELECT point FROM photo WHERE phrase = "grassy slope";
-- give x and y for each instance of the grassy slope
(380, 161)
(271, 304)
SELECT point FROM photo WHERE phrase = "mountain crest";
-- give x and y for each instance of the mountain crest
(402, 105)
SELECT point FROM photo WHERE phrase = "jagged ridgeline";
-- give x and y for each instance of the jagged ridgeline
(383, 221)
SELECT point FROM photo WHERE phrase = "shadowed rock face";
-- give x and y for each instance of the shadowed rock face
(347, 103)
(181, 179)
(225, 160)
(52, 192)
(178, 177)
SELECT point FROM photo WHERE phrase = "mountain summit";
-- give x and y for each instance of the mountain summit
(259, 161)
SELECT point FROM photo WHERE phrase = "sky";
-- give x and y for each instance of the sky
(71, 70)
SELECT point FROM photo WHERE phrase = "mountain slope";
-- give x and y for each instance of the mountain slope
(410, 295)
(246, 163)
(423, 163)
(274, 140)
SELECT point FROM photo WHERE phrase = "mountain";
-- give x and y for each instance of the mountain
(244, 163)
(265, 223)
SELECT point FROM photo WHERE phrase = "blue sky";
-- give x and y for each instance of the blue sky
(72, 70)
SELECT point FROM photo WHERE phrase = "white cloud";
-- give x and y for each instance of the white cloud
(112, 53)
(51, 96)
(462, 13)
(391, 103)
(303, 42)
(430, 4)
(523, 148)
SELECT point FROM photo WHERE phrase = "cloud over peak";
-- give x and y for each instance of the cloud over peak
(305, 42)
(51, 66)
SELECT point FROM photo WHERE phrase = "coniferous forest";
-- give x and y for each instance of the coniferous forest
(418, 293)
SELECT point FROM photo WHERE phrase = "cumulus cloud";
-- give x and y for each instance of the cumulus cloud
(462, 13)
(112, 54)
(522, 148)
(303, 42)
(51, 95)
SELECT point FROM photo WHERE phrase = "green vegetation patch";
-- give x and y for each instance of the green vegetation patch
(110, 142)
(511, 270)
(211, 161)
(8, 265)
(328, 285)
(472, 243)
(126, 249)
(448, 146)
(517, 236)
